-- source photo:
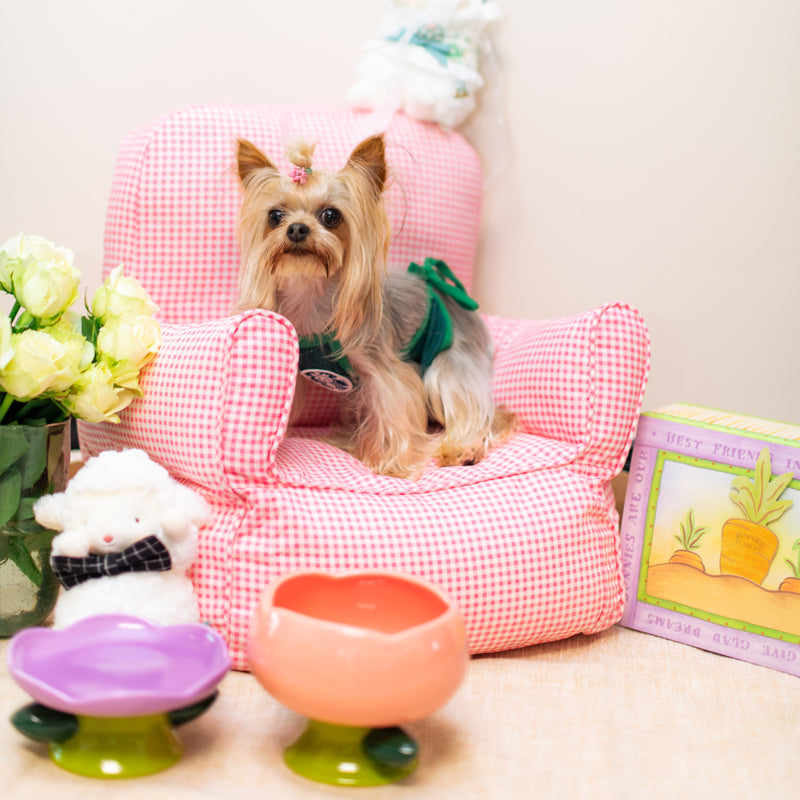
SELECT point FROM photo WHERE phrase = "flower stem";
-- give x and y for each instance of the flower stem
(25, 322)
(14, 311)
(23, 412)
(5, 405)
(46, 409)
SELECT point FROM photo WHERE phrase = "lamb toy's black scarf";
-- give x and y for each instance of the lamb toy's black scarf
(146, 555)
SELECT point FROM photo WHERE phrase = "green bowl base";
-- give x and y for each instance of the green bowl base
(113, 747)
(334, 754)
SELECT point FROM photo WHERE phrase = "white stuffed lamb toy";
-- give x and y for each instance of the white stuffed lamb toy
(128, 535)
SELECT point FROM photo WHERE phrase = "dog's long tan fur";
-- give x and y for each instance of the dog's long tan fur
(314, 250)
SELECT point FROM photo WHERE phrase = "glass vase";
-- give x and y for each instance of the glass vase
(34, 460)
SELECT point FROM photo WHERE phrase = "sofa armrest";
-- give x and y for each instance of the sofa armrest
(216, 401)
(578, 379)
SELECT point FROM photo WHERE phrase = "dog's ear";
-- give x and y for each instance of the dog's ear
(369, 159)
(249, 158)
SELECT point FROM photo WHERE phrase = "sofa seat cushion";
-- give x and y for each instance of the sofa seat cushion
(529, 558)
(305, 461)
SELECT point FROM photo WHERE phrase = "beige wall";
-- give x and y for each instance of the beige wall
(651, 153)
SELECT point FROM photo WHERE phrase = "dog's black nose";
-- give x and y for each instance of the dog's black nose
(297, 231)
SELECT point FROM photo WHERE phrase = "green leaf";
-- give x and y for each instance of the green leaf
(33, 464)
(39, 538)
(22, 558)
(36, 460)
(25, 510)
(14, 445)
(27, 527)
(10, 491)
(90, 328)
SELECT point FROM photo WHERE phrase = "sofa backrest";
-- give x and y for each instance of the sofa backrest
(173, 212)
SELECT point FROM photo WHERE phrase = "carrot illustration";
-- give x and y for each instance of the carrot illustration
(748, 545)
(792, 583)
(689, 541)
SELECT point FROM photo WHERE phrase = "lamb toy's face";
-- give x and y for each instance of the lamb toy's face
(100, 522)
(117, 499)
(111, 522)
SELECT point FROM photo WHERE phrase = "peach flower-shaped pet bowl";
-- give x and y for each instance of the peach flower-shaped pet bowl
(359, 654)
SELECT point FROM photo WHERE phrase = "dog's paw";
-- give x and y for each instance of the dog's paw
(456, 454)
(463, 449)
(400, 458)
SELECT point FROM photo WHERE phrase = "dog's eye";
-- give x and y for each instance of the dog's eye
(275, 217)
(330, 217)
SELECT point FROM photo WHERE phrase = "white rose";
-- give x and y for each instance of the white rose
(5, 271)
(16, 247)
(41, 249)
(46, 285)
(79, 351)
(131, 338)
(13, 254)
(23, 250)
(125, 376)
(121, 295)
(95, 398)
(40, 363)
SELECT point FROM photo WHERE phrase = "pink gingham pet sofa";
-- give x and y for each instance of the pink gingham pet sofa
(526, 541)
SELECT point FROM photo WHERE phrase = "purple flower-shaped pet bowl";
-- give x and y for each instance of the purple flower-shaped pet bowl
(110, 690)
(118, 666)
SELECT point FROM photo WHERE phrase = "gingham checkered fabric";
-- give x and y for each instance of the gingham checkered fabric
(147, 555)
(526, 541)
(175, 196)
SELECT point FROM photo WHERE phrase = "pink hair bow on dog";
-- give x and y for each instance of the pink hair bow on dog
(300, 174)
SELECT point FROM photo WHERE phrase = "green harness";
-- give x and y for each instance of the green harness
(321, 358)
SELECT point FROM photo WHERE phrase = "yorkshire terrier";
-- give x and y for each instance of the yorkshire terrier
(406, 349)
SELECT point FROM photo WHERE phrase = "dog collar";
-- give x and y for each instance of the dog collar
(321, 361)
(321, 358)
(146, 555)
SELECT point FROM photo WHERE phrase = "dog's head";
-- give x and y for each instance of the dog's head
(328, 227)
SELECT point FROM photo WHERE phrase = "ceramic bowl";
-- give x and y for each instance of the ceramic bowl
(118, 666)
(364, 648)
